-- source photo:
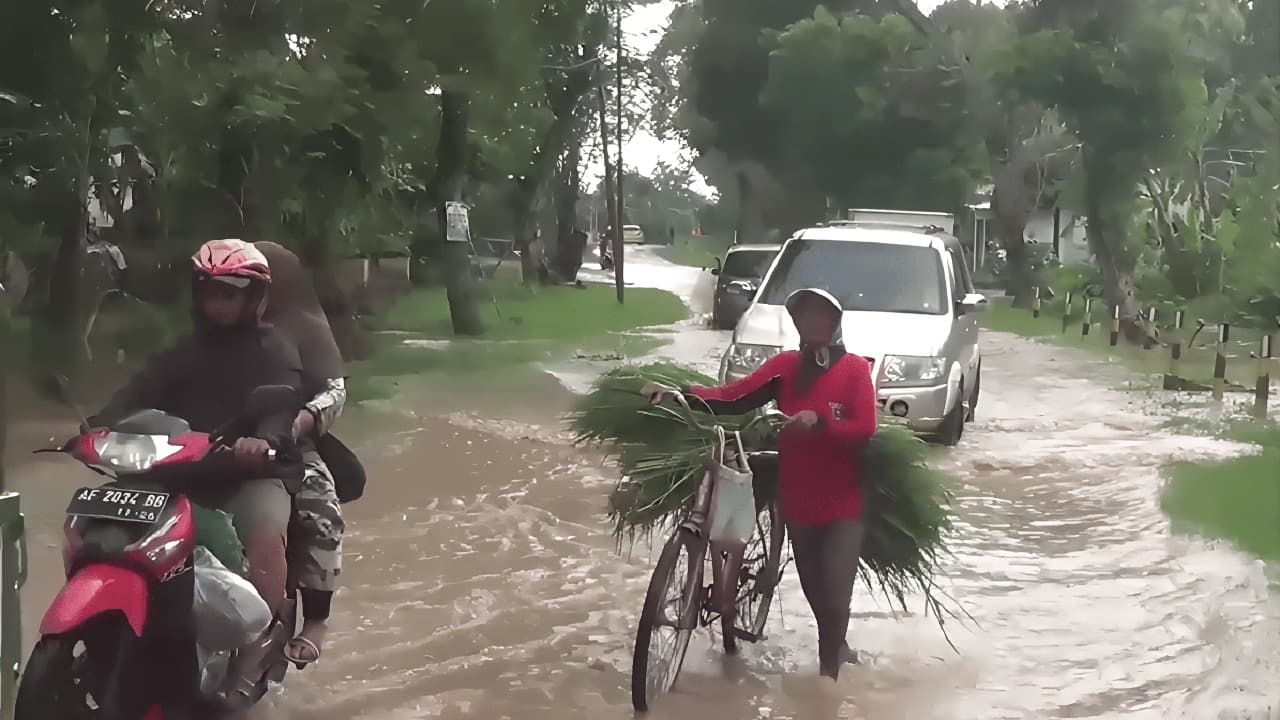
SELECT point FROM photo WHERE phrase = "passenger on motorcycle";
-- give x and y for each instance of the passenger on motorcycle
(315, 549)
(206, 379)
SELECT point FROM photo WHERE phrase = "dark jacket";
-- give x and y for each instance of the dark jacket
(207, 380)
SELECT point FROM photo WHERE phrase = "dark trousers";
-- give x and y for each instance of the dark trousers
(826, 560)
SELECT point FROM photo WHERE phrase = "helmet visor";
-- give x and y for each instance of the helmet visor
(232, 280)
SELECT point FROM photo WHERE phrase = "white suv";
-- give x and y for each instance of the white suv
(910, 309)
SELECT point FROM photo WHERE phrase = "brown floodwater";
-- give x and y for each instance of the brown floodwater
(481, 580)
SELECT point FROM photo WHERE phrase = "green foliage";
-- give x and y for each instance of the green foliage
(660, 202)
(699, 252)
(316, 127)
(1079, 280)
(1126, 97)
(829, 102)
(663, 451)
(1236, 499)
(843, 131)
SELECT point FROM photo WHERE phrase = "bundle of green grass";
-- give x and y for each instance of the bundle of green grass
(663, 452)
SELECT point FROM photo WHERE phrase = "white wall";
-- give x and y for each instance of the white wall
(1074, 247)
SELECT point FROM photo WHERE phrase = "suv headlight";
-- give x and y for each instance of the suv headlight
(743, 359)
(908, 370)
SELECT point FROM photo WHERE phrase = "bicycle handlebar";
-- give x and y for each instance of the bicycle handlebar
(680, 398)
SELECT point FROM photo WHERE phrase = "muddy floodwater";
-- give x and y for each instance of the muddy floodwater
(481, 580)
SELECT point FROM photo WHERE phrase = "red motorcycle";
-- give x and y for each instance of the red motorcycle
(119, 642)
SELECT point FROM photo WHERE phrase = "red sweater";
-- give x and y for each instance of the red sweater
(819, 467)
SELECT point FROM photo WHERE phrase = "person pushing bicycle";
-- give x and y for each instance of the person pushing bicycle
(829, 399)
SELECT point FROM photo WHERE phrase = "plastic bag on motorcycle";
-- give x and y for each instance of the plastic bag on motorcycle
(229, 613)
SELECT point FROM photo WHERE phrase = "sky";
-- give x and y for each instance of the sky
(642, 30)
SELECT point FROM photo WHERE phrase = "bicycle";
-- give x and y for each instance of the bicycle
(698, 603)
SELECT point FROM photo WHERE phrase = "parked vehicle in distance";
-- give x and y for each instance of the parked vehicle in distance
(910, 309)
(633, 234)
(737, 280)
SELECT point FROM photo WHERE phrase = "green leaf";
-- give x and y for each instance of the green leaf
(90, 40)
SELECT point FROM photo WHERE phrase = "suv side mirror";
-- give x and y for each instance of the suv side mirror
(716, 270)
(972, 303)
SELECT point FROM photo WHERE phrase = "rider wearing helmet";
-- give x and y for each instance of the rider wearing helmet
(207, 378)
(830, 400)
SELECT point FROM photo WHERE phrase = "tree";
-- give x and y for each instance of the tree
(67, 60)
(1029, 153)
(572, 34)
(660, 202)
(845, 135)
(1123, 83)
(1252, 260)
(722, 116)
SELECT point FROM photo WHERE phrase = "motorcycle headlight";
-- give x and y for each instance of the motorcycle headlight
(744, 359)
(129, 453)
(905, 370)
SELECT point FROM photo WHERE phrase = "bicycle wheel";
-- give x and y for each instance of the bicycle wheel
(671, 607)
(757, 580)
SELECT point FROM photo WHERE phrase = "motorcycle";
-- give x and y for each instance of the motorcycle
(606, 256)
(123, 640)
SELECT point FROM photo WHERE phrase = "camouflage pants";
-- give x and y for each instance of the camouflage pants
(315, 545)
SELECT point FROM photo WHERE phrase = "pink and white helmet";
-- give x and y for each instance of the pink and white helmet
(231, 258)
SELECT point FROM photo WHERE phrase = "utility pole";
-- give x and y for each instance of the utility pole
(618, 263)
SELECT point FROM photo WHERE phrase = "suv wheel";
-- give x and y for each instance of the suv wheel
(952, 429)
(977, 392)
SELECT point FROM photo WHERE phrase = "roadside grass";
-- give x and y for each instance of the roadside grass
(693, 251)
(1236, 500)
(512, 311)
(1197, 360)
(524, 326)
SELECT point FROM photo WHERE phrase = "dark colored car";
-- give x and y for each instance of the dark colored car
(737, 279)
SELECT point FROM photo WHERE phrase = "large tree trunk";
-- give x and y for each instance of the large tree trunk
(1106, 235)
(1010, 218)
(452, 173)
(610, 179)
(56, 343)
(524, 220)
(569, 242)
(564, 93)
(751, 228)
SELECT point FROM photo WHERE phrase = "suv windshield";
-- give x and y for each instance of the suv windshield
(868, 276)
(748, 263)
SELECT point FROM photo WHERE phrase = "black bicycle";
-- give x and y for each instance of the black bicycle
(681, 598)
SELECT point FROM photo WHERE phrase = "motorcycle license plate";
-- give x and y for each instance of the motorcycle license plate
(140, 506)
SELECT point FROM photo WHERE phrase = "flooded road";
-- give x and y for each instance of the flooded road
(481, 581)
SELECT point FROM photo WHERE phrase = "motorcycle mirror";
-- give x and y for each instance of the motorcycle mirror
(65, 395)
(271, 399)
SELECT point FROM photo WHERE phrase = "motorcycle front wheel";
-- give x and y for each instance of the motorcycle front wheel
(64, 679)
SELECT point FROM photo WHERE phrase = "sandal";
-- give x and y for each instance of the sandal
(292, 656)
(849, 656)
